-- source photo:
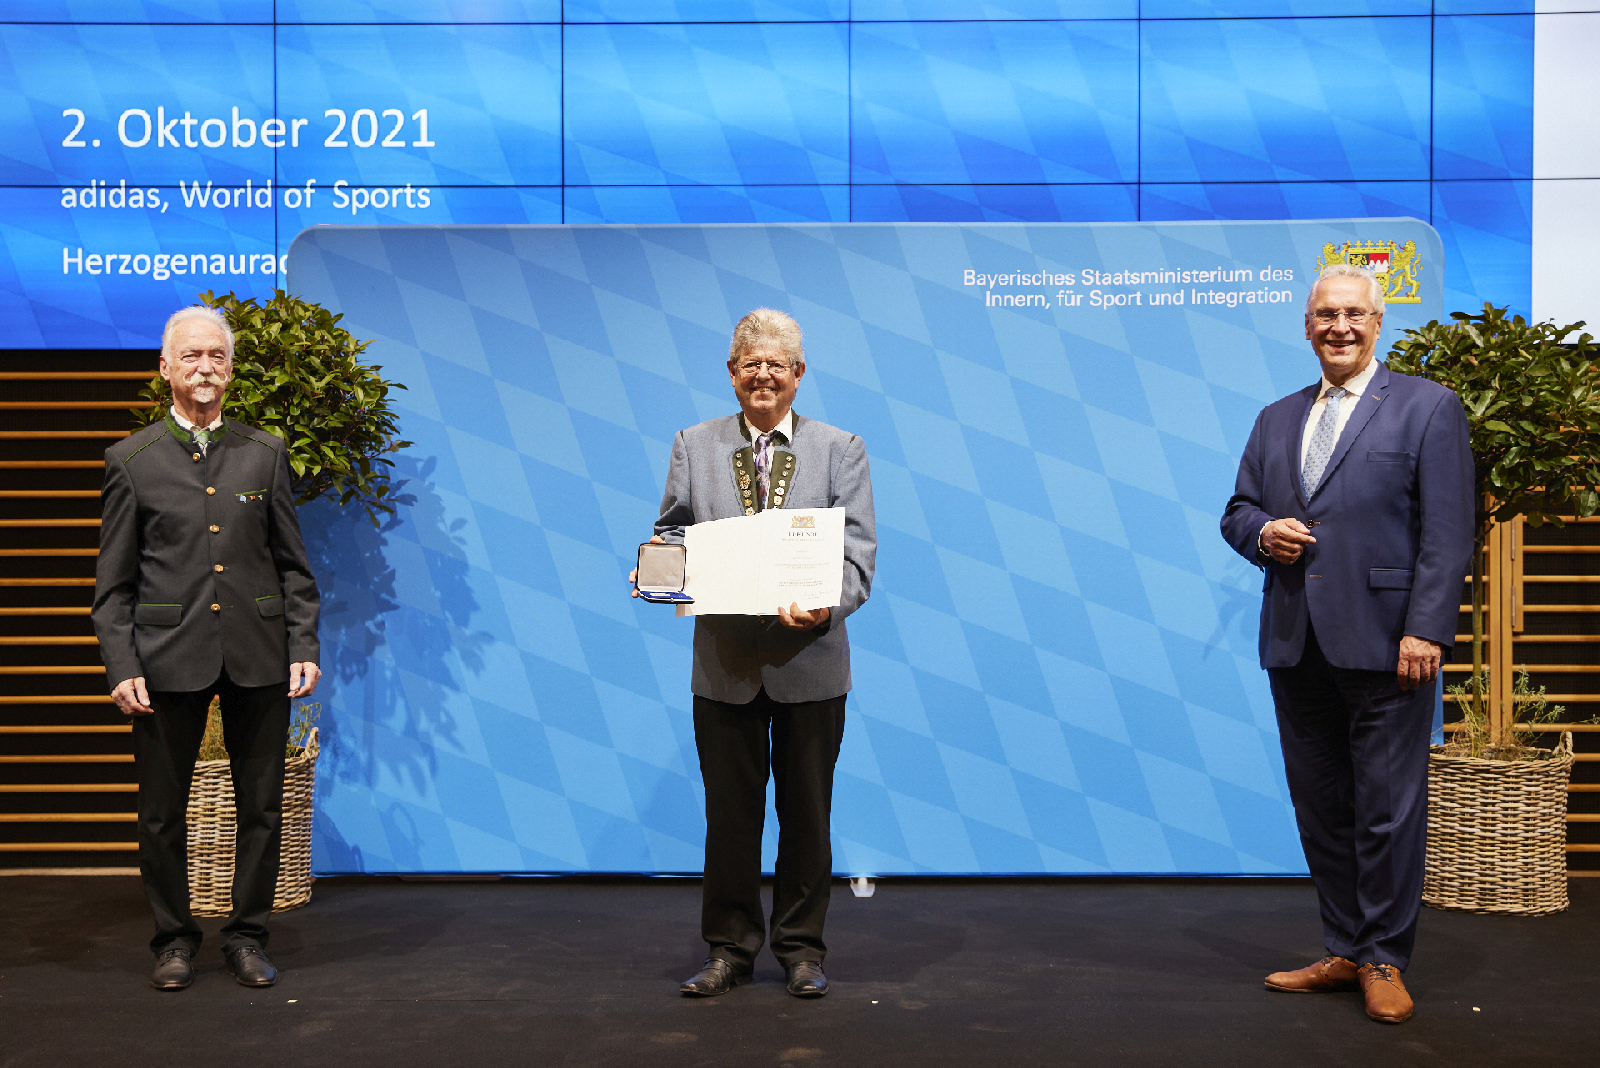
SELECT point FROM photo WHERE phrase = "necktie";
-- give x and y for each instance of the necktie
(763, 468)
(202, 438)
(1322, 440)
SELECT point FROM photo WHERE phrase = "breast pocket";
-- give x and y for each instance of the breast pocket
(1375, 457)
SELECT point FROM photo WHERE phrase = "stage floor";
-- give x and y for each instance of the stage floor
(927, 972)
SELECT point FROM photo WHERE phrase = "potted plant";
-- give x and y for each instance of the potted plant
(296, 374)
(1497, 807)
(212, 822)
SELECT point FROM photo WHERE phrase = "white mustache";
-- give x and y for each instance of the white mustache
(198, 379)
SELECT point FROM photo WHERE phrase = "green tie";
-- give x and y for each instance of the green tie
(202, 438)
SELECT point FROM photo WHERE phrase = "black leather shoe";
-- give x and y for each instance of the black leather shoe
(250, 967)
(715, 977)
(174, 969)
(806, 980)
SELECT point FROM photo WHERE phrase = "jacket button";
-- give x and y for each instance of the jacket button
(216, 567)
(216, 608)
(195, 457)
(215, 529)
(211, 491)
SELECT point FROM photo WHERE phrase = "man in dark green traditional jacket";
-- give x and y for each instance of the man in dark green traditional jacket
(203, 588)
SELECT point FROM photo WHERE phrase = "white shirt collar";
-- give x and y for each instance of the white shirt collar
(181, 421)
(1357, 386)
(785, 427)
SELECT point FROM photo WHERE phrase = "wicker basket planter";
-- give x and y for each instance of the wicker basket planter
(1497, 833)
(212, 829)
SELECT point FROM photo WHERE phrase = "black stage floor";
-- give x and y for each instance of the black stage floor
(927, 972)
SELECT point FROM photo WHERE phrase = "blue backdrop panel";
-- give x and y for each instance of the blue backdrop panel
(129, 89)
(718, 104)
(169, 11)
(426, 11)
(1057, 670)
(1243, 100)
(112, 275)
(491, 96)
(994, 102)
(681, 11)
(726, 111)
(1483, 97)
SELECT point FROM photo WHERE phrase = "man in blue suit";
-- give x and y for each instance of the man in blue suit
(1355, 496)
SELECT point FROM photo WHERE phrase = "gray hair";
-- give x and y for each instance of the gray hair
(190, 314)
(1349, 270)
(767, 328)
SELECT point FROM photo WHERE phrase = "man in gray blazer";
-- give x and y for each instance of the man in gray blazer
(769, 691)
(202, 588)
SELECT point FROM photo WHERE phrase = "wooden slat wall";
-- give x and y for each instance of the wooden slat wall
(1544, 614)
(67, 790)
(66, 762)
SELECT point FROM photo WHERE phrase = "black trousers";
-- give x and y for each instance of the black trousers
(1355, 747)
(738, 744)
(255, 724)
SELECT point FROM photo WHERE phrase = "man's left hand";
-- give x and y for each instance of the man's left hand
(795, 618)
(303, 679)
(1419, 662)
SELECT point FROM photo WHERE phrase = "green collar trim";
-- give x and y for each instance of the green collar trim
(187, 436)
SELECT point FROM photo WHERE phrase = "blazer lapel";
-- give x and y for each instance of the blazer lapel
(1308, 397)
(742, 468)
(1370, 400)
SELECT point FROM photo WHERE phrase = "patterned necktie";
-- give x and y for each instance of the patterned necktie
(202, 438)
(763, 468)
(1322, 440)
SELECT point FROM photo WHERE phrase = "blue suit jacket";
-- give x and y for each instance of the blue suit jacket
(1393, 518)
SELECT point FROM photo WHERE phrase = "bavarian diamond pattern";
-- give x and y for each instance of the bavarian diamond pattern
(1057, 669)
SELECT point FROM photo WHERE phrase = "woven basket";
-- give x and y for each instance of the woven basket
(212, 829)
(1497, 833)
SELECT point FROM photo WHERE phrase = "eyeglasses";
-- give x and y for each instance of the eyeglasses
(1328, 318)
(751, 368)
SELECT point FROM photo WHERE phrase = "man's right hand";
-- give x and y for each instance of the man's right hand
(1286, 539)
(132, 698)
(634, 574)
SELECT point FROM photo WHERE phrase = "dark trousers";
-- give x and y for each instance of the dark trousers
(1355, 747)
(737, 745)
(255, 724)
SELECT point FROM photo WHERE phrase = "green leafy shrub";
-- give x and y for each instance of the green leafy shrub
(1532, 397)
(296, 374)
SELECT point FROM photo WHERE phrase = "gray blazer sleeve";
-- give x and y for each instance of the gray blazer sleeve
(677, 503)
(852, 485)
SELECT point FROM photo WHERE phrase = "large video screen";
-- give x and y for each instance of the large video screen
(151, 151)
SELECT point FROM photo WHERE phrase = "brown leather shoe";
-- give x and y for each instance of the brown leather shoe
(1328, 975)
(1387, 1000)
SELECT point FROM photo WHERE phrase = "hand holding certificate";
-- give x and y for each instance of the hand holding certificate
(751, 564)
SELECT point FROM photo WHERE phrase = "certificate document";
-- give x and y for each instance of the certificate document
(751, 564)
